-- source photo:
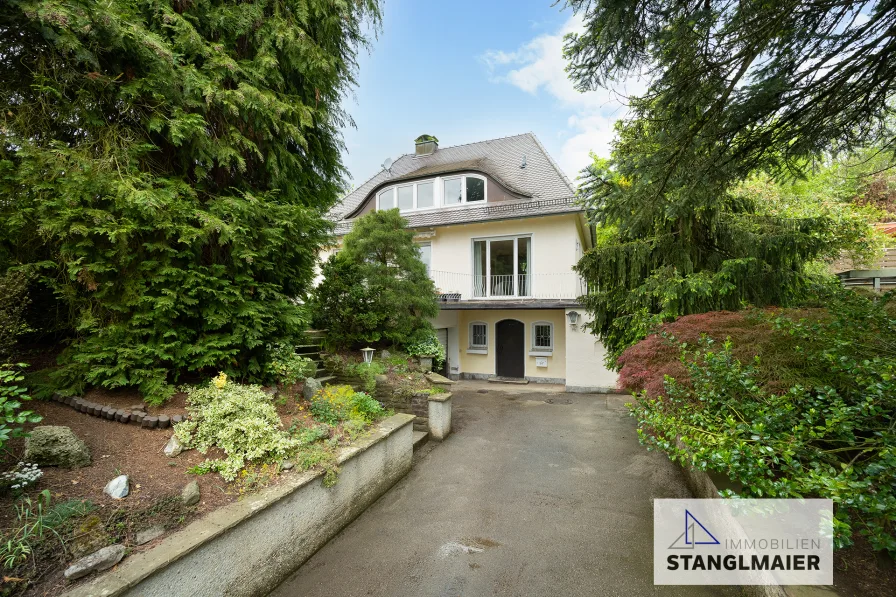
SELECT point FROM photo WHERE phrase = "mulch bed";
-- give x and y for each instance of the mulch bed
(156, 481)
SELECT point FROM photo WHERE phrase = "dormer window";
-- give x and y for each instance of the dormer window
(444, 191)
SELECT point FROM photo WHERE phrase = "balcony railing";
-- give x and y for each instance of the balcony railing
(567, 285)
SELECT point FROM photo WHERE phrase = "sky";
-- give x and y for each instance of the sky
(468, 71)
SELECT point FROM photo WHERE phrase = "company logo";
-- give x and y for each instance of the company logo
(743, 542)
(695, 533)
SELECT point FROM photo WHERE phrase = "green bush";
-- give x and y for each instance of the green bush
(12, 394)
(289, 368)
(425, 343)
(336, 404)
(832, 437)
(239, 419)
(367, 372)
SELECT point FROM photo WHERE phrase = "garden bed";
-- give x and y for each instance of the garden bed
(86, 519)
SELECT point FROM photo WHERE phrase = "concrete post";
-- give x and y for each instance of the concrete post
(439, 416)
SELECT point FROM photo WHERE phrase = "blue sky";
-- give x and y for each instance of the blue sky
(467, 71)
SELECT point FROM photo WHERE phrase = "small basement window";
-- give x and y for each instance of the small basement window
(542, 336)
(479, 335)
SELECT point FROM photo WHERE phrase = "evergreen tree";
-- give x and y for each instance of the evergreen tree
(735, 88)
(398, 297)
(166, 165)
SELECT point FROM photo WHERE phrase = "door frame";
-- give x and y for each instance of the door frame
(522, 348)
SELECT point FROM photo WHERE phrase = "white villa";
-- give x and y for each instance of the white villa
(500, 231)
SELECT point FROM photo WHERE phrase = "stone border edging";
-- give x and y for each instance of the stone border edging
(242, 534)
(121, 415)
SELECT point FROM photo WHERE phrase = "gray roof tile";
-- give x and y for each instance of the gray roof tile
(541, 180)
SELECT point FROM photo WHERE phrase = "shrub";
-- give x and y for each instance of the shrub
(367, 372)
(11, 397)
(335, 404)
(289, 368)
(426, 344)
(13, 301)
(239, 419)
(376, 289)
(829, 434)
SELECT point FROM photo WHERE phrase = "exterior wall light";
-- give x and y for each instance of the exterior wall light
(368, 355)
(573, 317)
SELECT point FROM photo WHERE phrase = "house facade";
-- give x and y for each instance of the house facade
(500, 231)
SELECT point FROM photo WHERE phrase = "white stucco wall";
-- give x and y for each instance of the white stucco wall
(554, 242)
(585, 369)
(448, 320)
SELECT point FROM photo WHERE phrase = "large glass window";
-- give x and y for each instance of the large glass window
(406, 197)
(478, 335)
(425, 196)
(475, 189)
(453, 191)
(501, 267)
(387, 199)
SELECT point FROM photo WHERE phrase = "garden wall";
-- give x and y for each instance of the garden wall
(247, 548)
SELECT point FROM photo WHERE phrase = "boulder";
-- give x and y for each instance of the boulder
(147, 535)
(312, 387)
(117, 488)
(287, 465)
(56, 445)
(190, 494)
(100, 560)
(174, 447)
(385, 354)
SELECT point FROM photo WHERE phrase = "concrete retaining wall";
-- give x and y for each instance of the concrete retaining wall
(247, 548)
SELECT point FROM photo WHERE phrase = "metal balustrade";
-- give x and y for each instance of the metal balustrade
(567, 285)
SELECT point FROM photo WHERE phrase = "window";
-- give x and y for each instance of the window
(475, 188)
(542, 336)
(426, 255)
(436, 192)
(425, 196)
(387, 199)
(453, 194)
(479, 335)
(501, 267)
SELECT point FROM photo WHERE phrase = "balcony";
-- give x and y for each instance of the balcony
(567, 285)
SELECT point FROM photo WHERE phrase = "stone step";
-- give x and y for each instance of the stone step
(420, 438)
(325, 380)
(511, 380)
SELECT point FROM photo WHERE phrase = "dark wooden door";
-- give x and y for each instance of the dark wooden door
(510, 359)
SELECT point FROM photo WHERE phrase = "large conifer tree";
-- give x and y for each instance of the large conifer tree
(166, 165)
(735, 87)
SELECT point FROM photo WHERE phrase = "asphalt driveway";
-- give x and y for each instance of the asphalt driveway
(535, 493)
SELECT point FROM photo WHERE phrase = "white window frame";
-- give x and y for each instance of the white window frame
(542, 351)
(438, 192)
(429, 266)
(477, 348)
(488, 264)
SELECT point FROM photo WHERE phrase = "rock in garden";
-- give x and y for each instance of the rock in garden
(286, 465)
(147, 535)
(190, 494)
(174, 447)
(89, 536)
(100, 560)
(385, 354)
(312, 387)
(56, 445)
(117, 488)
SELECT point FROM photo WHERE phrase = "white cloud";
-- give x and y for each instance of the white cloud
(538, 66)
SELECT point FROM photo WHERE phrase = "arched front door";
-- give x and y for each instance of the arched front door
(510, 356)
